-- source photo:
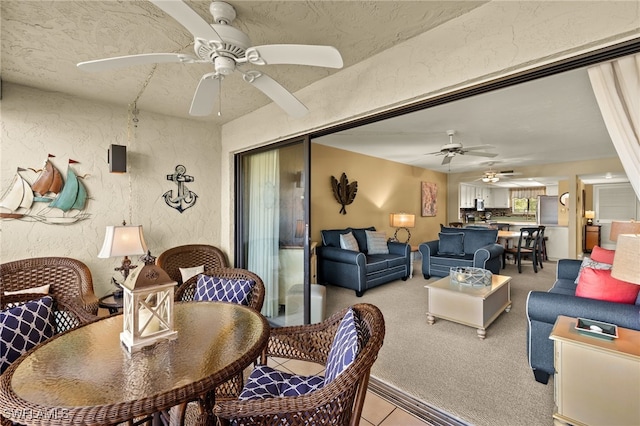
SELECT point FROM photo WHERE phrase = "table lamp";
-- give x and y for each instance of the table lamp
(589, 215)
(626, 261)
(402, 221)
(617, 228)
(123, 241)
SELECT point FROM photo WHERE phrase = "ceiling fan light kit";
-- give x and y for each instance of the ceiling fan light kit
(227, 48)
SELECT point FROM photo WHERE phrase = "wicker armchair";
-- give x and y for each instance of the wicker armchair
(69, 279)
(338, 402)
(190, 256)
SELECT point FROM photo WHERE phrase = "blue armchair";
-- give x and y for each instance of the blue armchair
(360, 270)
(460, 247)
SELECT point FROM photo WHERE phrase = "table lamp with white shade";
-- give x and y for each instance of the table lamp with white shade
(125, 240)
(626, 261)
(402, 221)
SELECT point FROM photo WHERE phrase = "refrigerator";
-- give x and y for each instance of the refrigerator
(547, 211)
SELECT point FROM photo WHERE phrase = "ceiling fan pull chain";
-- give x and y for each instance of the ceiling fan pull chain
(220, 96)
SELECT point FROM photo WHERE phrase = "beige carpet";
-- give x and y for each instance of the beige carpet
(484, 383)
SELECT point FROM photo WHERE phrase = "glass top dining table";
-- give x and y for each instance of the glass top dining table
(86, 376)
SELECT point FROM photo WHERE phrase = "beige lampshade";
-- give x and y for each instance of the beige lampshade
(589, 214)
(618, 228)
(402, 220)
(123, 241)
(626, 261)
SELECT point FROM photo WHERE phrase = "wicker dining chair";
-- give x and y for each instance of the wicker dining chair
(338, 402)
(68, 279)
(190, 256)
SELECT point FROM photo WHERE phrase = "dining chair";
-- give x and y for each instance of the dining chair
(273, 397)
(62, 277)
(542, 250)
(188, 260)
(528, 247)
(455, 224)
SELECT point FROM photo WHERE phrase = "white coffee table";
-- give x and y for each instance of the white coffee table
(469, 305)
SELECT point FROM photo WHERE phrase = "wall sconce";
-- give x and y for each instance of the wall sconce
(148, 310)
(589, 215)
(402, 221)
(123, 241)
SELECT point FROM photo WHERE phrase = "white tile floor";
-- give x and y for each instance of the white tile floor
(376, 411)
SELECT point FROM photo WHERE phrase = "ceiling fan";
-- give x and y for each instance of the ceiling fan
(452, 149)
(227, 49)
(491, 176)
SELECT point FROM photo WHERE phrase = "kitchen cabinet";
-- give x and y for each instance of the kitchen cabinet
(467, 196)
(499, 198)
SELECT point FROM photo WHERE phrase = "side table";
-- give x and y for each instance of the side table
(597, 381)
(415, 252)
(113, 304)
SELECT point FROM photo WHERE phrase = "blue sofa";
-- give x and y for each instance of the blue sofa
(359, 270)
(479, 250)
(544, 307)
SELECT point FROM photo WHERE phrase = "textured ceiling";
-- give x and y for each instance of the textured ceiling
(43, 40)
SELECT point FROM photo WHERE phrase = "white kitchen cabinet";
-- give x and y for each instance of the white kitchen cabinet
(499, 198)
(467, 196)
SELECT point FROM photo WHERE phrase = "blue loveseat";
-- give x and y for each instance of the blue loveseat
(543, 309)
(360, 270)
(466, 247)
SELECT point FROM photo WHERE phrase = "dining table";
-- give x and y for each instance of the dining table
(86, 376)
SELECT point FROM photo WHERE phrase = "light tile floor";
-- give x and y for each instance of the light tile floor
(376, 411)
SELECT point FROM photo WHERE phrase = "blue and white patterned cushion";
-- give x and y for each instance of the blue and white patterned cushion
(217, 289)
(266, 382)
(377, 242)
(24, 326)
(345, 347)
(349, 242)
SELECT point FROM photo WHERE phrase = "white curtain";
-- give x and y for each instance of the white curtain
(616, 85)
(264, 213)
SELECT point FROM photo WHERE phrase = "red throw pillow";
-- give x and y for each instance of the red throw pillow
(602, 255)
(599, 284)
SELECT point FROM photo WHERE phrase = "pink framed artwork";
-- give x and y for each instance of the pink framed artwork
(429, 199)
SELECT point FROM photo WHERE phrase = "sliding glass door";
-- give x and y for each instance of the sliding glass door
(272, 226)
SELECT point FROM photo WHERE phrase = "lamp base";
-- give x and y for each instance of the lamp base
(395, 235)
(589, 222)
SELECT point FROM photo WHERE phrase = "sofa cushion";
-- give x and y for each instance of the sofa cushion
(331, 237)
(23, 327)
(602, 255)
(450, 243)
(266, 382)
(599, 284)
(187, 273)
(344, 348)
(377, 242)
(361, 237)
(210, 288)
(587, 262)
(375, 263)
(348, 242)
(478, 238)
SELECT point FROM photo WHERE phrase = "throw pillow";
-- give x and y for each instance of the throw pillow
(599, 284)
(43, 289)
(451, 243)
(377, 242)
(344, 348)
(190, 272)
(217, 289)
(602, 255)
(24, 326)
(266, 382)
(348, 242)
(590, 263)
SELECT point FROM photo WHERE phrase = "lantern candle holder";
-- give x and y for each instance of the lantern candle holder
(147, 307)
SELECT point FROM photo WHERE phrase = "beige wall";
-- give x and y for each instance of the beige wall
(384, 187)
(36, 123)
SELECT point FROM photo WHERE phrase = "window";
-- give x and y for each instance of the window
(525, 200)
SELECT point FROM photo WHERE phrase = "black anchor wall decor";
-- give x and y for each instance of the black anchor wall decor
(343, 191)
(184, 197)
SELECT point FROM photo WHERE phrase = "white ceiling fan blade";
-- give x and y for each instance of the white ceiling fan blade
(131, 60)
(188, 18)
(297, 54)
(447, 159)
(205, 96)
(278, 94)
(476, 147)
(480, 154)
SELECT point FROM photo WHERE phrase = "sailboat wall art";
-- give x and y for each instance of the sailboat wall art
(46, 197)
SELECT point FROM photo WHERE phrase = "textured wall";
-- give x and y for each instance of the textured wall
(36, 123)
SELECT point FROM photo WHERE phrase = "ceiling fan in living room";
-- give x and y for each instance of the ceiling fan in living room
(452, 149)
(228, 50)
(491, 176)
